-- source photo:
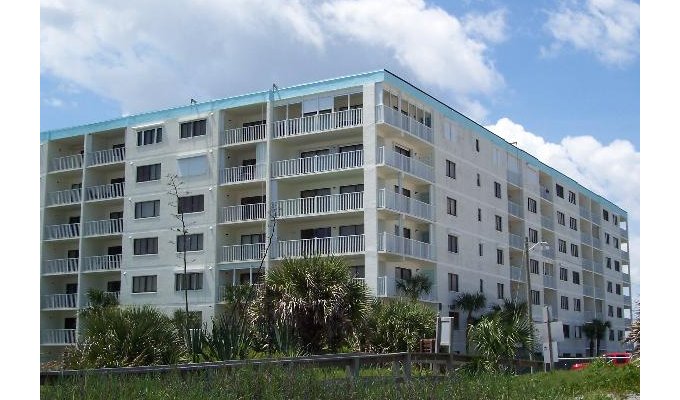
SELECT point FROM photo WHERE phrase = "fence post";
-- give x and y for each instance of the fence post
(407, 367)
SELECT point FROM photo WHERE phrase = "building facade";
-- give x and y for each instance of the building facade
(366, 167)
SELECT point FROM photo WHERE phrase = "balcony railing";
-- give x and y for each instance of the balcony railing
(548, 252)
(549, 281)
(515, 178)
(58, 336)
(403, 122)
(350, 244)
(518, 274)
(545, 193)
(597, 267)
(59, 301)
(595, 217)
(626, 278)
(63, 231)
(63, 197)
(245, 135)
(104, 227)
(318, 164)
(115, 295)
(584, 212)
(404, 204)
(318, 205)
(626, 299)
(101, 192)
(591, 315)
(244, 173)
(106, 156)
(67, 162)
(514, 209)
(242, 213)
(406, 164)
(587, 264)
(318, 123)
(597, 243)
(599, 292)
(390, 243)
(587, 239)
(243, 252)
(588, 290)
(387, 287)
(61, 266)
(102, 263)
(547, 222)
(516, 241)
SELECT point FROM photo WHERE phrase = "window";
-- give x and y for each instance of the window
(500, 289)
(615, 219)
(453, 244)
(357, 271)
(561, 246)
(149, 136)
(577, 304)
(479, 180)
(497, 189)
(608, 262)
(560, 218)
(578, 334)
(148, 173)
(477, 145)
(564, 302)
(576, 277)
(619, 312)
(147, 209)
(481, 286)
(533, 235)
(144, 284)
(402, 273)
(451, 169)
(564, 274)
(531, 205)
(559, 190)
(533, 266)
(572, 197)
(453, 282)
(574, 250)
(190, 204)
(192, 129)
(565, 330)
(146, 246)
(194, 281)
(610, 311)
(480, 247)
(193, 242)
(455, 320)
(618, 288)
(605, 215)
(479, 214)
(616, 242)
(451, 206)
(353, 230)
(572, 223)
(611, 335)
(606, 238)
(535, 297)
(617, 266)
(609, 287)
(499, 223)
(499, 256)
(192, 166)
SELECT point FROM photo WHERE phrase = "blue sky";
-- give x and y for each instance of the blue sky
(560, 77)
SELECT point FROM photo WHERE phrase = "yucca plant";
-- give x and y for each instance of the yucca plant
(413, 286)
(497, 336)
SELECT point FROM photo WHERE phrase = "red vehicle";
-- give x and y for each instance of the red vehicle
(615, 358)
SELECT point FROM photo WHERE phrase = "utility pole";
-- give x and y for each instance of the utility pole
(550, 346)
(529, 317)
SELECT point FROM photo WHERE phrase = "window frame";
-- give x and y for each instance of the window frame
(451, 169)
(145, 284)
(192, 200)
(139, 209)
(143, 244)
(451, 206)
(192, 132)
(452, 244)
(195, 281)
(194, 240)
(155, 136)
(148, 173)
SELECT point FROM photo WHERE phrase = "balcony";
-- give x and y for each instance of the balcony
(404, 122)
(587, 239)
(547, 222)
(595, 217)
(318, 123)
(404, 204)
(243, 252)
(63, 231)
(103, 192)
(104, 227)
(514, 209)
(518, 274)
(597, 267)
(516, 241)
(65, 163)
(626, 299)
(390, 243)
(320, 205)
(64, 197)
(545, 193)
(318, 164)
(515, 178)
(107, 156)
(599, 292)
(596, 243)
(387, 287)
(549, 281)
(591, 315)
(626, 278)
(583, 212)
(245, 173)
(58, 336)
(332, 245)
(102, 263)
(115, 295)
(406, 164)
(247, 134)
(587, 264)
(61, 266)
(588, 290)
(59, 301)
(548, 252)
(243, 213)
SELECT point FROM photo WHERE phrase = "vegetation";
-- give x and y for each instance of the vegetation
(470, 302)
(414, 286)
(595, 331)
(634, 336)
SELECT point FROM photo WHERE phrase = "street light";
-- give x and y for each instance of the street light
(527, 249)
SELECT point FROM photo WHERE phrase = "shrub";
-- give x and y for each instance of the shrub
(394, 326)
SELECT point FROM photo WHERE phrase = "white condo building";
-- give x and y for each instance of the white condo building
(367, 167)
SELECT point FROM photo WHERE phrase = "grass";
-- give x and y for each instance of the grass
(595, 382)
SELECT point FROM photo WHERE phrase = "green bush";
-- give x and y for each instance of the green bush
(395, 326)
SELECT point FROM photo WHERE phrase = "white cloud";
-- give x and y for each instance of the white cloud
(608, 28)
(610, 170)
(145, 59)
(53, 102)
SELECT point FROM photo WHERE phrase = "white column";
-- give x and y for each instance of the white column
(370, 187)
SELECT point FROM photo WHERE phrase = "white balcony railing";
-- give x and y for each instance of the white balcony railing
(104, 227)
(62, 197)
(597, 243)
(63, 231)
(244, 173)
(514, 209)
(404, 122)
(318, 164)
(588, 290)
(549, 281)
(518, 274)
(243, 252)
(245, 135)
(515, 178)
(244, 212)
(587, 264)
(587, 239)
(59, 301)
(599, 292)
(547, 222)
(109, 191)
(597, 267)
(102, 263)
(61, 266)
(332, 245)
(545, 193)
(58, 336)
(406, 164)
(67, 162)
(106, 156)
(383, 288)
(516, 241)
(318, 205)
(390, 243)
(404, 204)
(318, 123)
(584, 212)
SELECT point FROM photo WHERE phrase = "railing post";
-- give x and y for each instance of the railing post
(407, 367)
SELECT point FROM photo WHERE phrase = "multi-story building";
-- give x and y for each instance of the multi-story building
(367, 167)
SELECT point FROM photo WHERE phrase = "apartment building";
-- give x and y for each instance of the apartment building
(367, 167)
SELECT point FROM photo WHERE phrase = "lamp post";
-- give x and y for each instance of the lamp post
(527, 249)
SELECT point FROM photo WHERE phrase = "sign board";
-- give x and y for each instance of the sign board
(546, 352)
(445, 331)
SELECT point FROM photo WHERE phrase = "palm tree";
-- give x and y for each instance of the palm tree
(595, 331)
(470, 302)
(496, 335)
(414, 286)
